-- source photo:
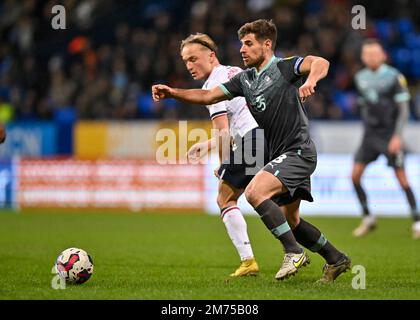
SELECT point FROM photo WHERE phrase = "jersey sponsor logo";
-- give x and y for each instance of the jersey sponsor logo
(363, 84)
(268, 80)
(372, 96)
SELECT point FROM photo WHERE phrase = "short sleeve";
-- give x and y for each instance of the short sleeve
(233, 88)
(217, 110)
(401, 89)
(290, 68)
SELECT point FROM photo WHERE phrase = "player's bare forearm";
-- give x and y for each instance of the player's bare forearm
(222, 141)
(316, 68)
(200, 149)
(224, 145)
(211, 143)
(222, 135)
(194, 96)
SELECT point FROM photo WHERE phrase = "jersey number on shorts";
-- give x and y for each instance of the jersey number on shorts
(280, 159)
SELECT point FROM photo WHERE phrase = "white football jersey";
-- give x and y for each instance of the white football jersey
(240, 118)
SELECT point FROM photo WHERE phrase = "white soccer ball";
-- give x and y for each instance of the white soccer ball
(74, 265)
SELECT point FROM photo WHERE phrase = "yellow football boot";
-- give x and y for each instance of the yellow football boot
(247, 268)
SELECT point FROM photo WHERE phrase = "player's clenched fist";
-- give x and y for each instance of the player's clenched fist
(160, 91)
(306, 90)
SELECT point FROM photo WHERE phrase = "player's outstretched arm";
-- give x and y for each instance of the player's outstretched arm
(315, 68)
(195, 96)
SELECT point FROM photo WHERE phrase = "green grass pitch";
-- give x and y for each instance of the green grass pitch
(175, 256)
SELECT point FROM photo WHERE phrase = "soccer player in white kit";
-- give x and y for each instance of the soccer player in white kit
(233, 121)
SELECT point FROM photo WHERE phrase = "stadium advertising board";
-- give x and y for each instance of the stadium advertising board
(136, 139)
(333, 192)
(30, 139)
(131, 184)
(7, 184)
(142, 185)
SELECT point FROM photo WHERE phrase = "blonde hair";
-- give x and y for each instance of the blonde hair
(199, 38)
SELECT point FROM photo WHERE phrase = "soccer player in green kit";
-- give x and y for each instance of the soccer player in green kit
(274, 92)
(384, 101)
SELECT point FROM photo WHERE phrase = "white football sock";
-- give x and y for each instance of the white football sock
(237, 229)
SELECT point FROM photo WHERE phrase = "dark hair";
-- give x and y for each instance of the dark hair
(370, 41)
(263, 30)
(199, 38)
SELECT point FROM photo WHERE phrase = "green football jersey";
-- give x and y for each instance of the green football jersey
(272, 96)
(380, 91)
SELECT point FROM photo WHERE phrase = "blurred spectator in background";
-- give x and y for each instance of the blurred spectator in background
(103, 64)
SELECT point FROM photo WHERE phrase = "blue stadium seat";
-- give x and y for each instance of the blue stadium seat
(415, 63)
(346, 100)
(412, 40)
(404, 26)
(384, 29)
(401, 58)
(145, 106)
